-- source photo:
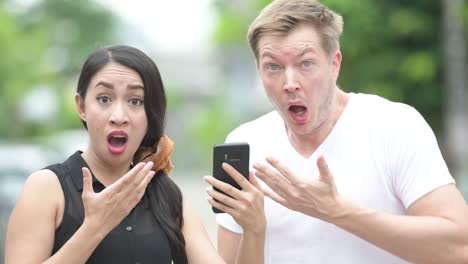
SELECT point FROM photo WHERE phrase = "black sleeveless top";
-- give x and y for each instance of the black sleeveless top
(137, 239)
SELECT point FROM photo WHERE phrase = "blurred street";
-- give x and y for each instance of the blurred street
(193, 188)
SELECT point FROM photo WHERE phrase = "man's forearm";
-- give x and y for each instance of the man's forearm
(251, 248)
(419, 239)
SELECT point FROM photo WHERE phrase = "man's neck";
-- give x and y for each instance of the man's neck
(307, 144)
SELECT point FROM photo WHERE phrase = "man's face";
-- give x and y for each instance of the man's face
(299, 78)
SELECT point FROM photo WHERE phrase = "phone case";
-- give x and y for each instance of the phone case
(235, 154)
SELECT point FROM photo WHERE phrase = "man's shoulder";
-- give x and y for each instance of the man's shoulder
(381, 107)
(385, 116)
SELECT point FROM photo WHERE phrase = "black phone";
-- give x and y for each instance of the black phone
(235, 154)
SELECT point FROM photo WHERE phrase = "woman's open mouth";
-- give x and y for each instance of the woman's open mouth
(117, 142)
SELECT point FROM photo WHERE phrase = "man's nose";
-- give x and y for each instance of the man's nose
(291, 83)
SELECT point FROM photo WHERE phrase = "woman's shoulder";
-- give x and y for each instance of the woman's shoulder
(41, 198)
(43, 177)
(43, 183)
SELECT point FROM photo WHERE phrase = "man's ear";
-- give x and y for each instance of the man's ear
(336, 63)
(80, 107)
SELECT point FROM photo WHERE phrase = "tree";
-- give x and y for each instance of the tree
(44, 45)
(455, 61)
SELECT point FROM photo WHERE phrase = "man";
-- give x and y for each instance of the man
(351, 178)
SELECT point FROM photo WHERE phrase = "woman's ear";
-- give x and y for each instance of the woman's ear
(80, 107)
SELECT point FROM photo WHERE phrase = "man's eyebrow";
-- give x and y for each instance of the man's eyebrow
(267, 54)
(306, 50)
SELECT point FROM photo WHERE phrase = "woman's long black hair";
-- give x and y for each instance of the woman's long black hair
(164, 195)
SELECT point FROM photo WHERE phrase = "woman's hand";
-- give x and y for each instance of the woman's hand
(105, 210)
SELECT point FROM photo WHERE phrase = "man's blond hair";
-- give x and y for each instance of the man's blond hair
(283, 16)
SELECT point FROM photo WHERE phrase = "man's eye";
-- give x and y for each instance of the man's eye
(273, 67)
(307, 64)
(103, 99)
(136, 101)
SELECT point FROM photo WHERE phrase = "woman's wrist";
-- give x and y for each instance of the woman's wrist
(94, 230)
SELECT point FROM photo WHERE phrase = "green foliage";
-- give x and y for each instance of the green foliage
(210, 126)
(234, 19)
(231, 30)
(390, 48)
(45, 46)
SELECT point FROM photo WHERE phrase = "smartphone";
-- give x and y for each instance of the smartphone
(235, 154)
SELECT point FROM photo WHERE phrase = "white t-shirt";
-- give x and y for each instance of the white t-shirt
(383, 155)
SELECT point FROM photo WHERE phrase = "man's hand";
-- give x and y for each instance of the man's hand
(246, 206)
(318, 198)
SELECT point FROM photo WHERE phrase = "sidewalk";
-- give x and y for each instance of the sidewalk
(193, 188)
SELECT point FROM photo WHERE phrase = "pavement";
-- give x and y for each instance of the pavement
(193, 188)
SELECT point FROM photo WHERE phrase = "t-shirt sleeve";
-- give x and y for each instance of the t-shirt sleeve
(417, 165)
(225, 220)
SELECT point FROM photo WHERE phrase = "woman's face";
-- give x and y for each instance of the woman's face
(114, 112)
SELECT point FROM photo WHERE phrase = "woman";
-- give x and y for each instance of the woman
(114, 203)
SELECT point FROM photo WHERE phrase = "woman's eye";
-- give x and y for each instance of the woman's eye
(136, 101)
(103, 99)
(307, 64)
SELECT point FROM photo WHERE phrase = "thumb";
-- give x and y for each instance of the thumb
(325, 173)
(87, 182)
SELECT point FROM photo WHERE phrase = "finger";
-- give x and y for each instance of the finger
(140, 191)
(135, 187)
(283, 169)
(239, 178)
(275, 181)
(87, 181)
(275, 197)
(125, 180)
(253, 181)
(143, 174)
(134, 177)
(325, 173)
(221, 198)
(220, 206)
(270, 172)
(146, 181)
(225, 187)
